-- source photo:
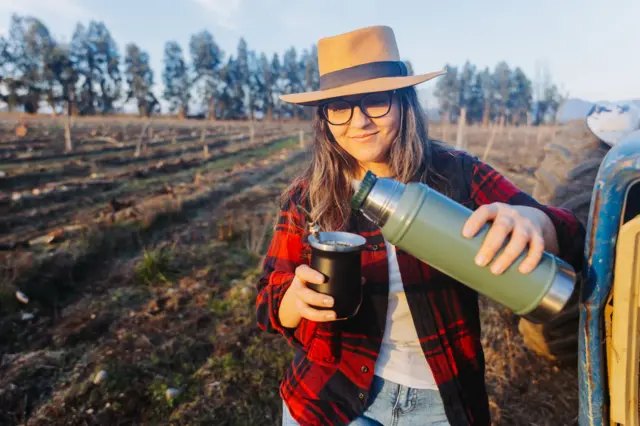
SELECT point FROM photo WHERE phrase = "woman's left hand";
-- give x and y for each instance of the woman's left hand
(525, 225)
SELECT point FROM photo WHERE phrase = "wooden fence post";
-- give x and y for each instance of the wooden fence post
(205, 147)
(495, 130)
(68, 146)
(461, 126)
(141, 140)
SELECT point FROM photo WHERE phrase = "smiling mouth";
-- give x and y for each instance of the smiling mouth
(363, 137)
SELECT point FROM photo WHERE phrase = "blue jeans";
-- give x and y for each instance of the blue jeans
(391, 404)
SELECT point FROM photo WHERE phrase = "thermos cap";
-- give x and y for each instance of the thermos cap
(366, 185)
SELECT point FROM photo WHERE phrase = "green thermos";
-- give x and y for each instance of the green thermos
(428, 225)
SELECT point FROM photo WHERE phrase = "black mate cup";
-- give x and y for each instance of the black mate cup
(337, 255)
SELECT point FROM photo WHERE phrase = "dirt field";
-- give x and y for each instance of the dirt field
(138, 265)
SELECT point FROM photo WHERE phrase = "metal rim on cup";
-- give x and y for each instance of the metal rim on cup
(355, 241)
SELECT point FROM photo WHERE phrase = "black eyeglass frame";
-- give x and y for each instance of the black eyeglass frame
(353, 104)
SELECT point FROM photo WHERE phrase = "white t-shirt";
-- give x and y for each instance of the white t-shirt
(401, 359)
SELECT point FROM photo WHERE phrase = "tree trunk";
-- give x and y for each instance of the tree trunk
(269, 104)
(71, 104)
(485, 114)
(212, 109)
(11, 101)
(250, 106)
(51, 100)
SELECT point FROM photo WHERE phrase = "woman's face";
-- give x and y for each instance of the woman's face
(366, 139)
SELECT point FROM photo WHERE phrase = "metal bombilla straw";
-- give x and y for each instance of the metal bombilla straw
(314, 228)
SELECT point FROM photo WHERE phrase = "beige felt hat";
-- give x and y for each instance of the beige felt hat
(360, 61)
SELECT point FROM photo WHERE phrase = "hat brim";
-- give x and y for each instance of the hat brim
(382, 84)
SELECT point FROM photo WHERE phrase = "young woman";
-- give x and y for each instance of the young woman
(412, 355)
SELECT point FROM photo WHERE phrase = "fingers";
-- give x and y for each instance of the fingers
(536, 250)
(311, 297)
(478, 218)
(309, 275)
(495, 238)
(312, 314)
(509, 224)
(307, 298)
(519, 239)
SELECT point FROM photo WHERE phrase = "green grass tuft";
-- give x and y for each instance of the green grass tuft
(156, 267)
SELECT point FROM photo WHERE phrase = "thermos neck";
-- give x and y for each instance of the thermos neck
(382, 201)
(378, 198)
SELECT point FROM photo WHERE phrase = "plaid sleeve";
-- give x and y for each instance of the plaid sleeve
(283, 256)
(489, 186)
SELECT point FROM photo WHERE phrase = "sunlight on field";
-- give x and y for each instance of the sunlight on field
(137, 253)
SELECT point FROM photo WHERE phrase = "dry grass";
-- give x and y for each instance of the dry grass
(524, 389)
(191, 326)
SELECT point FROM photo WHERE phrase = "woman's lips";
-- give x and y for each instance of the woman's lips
(363, 137)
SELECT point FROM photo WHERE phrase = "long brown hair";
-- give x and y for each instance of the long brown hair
(326, 182)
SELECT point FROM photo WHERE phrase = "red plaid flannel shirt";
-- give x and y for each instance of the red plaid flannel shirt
(328, 381)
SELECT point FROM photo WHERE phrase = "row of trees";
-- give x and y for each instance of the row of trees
(89, 76)
(488, 96)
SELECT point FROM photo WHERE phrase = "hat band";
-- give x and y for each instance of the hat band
(362, 72)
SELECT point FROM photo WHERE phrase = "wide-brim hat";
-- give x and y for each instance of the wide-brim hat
(361, 61)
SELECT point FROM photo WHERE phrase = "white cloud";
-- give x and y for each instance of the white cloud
(224, 12)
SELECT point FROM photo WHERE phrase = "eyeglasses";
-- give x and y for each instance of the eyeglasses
(373, 105)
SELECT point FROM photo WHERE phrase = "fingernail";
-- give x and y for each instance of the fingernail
(328, 301)
(330, 316)
(496, 269)
(481, 260)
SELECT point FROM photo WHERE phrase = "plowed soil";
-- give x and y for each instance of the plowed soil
(139, 275)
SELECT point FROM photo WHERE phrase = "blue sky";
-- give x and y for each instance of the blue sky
(591, 48)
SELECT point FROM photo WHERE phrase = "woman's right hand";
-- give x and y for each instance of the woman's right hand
(299, 300)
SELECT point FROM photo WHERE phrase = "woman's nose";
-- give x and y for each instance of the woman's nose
(359, 118)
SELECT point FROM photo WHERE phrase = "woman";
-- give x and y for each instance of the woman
(412, 355)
